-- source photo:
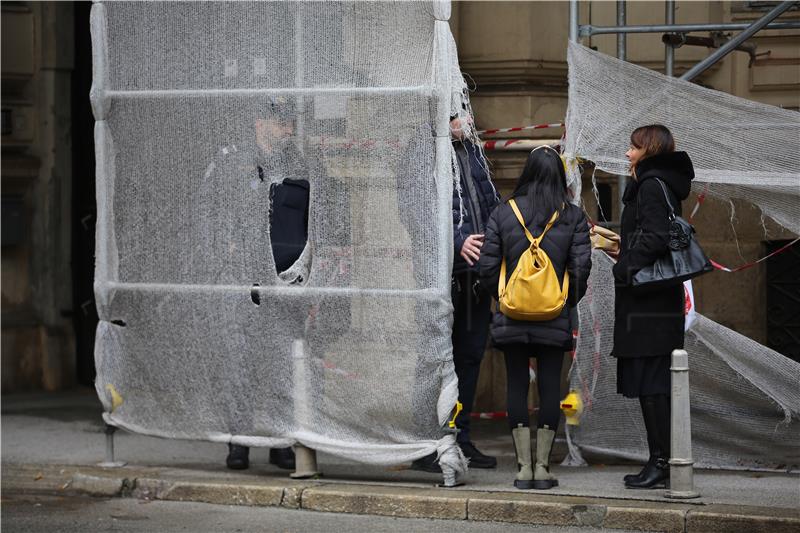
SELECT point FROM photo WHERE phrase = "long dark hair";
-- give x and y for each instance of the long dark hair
(543, 183)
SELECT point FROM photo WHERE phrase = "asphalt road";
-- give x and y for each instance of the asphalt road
(79, 514)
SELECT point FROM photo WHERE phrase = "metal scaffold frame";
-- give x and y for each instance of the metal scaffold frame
(681, 462)
(577, 30)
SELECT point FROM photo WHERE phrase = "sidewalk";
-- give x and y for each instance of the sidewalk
(52, 442)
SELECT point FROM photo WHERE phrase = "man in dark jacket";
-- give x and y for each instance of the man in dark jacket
(473, 202)
(277, 162)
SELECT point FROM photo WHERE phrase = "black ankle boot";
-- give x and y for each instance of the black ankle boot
(656, 414)
(635, 477)
(238, 457)
(282, 458)
(654, 476)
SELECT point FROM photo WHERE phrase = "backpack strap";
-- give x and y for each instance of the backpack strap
(521, 220)
(531, 239)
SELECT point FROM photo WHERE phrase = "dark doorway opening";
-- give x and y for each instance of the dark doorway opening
(783, 299)
(84, 208)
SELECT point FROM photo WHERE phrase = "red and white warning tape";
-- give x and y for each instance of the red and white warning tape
(754, 263)
(521, 128)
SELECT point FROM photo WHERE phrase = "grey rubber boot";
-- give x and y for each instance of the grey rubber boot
(542, 478)
(522, 447)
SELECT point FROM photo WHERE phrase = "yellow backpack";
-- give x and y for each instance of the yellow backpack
(533, 292)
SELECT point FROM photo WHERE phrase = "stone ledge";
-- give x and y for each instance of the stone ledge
(224, 494)
(398, 502)
(725, 522)
(639, 519)
(98, 485)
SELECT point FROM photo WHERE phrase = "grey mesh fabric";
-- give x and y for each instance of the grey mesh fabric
(740, 148)
(745, 399)
(348, 351)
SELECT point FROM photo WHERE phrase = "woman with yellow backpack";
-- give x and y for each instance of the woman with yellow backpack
(535, 259)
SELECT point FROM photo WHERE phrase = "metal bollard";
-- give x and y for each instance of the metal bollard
(110, 462)
(681, 469)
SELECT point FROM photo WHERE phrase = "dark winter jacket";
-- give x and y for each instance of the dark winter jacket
(568, 247)
(649, 322)
(289, 221)
(472, 207)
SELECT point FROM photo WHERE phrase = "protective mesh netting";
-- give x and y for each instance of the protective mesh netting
(740, 148)
(348, 351)
(745, 398)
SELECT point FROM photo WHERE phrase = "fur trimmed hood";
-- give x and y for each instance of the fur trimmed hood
(675, 169)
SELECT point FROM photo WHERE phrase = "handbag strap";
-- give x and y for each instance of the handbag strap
(666, 197)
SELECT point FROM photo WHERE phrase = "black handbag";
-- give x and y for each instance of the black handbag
(684, 259)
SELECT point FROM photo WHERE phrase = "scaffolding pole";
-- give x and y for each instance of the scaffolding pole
(622, 53)
(587, 30)
(573, 20)
(669, 50)
(731, 45)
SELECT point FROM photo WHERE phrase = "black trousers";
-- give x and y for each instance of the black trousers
(549, 360)
(471, 317)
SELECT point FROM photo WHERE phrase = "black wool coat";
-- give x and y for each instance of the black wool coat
(649, 322)
(568, 247)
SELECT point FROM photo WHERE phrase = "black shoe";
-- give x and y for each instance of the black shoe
(654, 476)
(476, 458)
(282, 458)
(238, 457)
(429, 463)
(636, 477)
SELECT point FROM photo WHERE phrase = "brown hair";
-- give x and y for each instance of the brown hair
(655, 139)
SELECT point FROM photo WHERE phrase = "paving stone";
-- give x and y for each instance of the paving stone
(712, 522)
(225, 494)
(523, 511)
(97, 485)
(641, 519)
(400, 501)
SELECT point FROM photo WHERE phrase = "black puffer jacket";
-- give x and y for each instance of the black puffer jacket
(566, 243)
(649, 322)
(478, 198)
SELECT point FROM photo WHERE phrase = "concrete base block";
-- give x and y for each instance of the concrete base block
(668, 520)
(225, 494)
(400, 502)
(709, 522)
(97, 485)
(521, 511)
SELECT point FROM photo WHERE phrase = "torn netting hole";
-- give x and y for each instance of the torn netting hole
(288, 221)
(254, 296)
(120, 323)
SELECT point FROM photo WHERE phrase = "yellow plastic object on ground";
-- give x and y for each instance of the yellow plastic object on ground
(572, 406)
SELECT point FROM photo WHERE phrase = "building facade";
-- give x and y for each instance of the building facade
(515, 56)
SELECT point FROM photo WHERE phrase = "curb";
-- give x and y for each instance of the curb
(149, 483)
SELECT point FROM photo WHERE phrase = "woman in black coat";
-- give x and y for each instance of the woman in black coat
(649, 323)
(541, 190)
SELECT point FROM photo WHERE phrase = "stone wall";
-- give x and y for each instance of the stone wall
(516, 54)
(37, 333)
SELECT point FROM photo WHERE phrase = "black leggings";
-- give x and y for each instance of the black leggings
(548, 380)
